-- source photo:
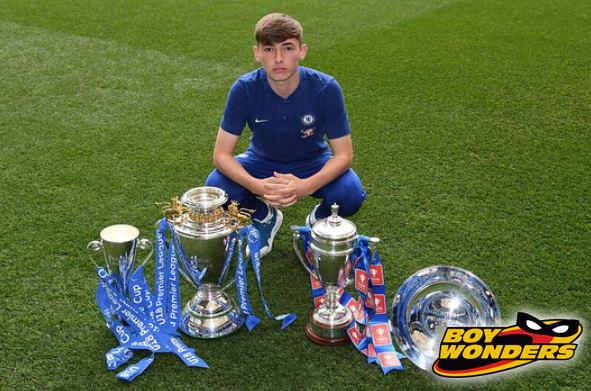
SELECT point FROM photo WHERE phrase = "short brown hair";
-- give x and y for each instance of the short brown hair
(275, 28)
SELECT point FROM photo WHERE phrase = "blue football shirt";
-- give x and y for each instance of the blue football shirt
(291, 129)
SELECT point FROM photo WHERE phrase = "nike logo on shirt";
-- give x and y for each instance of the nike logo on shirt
(258, 121)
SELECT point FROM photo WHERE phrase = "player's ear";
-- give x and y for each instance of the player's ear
(255, 52)
(303, 51)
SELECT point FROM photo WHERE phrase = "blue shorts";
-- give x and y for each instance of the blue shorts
(346, 190)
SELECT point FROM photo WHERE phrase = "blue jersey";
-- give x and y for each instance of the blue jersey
(291, 129)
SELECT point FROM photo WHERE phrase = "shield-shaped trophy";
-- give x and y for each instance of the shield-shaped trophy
(431, 300)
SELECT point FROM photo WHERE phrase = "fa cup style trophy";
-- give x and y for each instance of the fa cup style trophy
(204, 231)
(119, 244)
(333, 243)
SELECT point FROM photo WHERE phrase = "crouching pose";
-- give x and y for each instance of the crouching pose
(291, 111)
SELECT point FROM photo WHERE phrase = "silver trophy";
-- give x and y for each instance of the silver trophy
(431, 300)
(333, 243)
(119, 244)
(203, 228)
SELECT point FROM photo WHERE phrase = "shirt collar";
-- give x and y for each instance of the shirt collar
(294, 95)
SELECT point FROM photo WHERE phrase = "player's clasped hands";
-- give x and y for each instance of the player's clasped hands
(283, 190)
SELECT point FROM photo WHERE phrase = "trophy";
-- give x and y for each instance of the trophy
(203, 229)
(333, 243)
(431, 300)
(119, 244)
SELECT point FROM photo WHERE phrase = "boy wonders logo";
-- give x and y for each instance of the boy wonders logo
(476, 351)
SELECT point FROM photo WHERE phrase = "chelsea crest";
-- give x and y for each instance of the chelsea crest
(307, 119)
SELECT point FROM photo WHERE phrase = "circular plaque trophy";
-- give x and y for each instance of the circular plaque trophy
(203, 228)
(334, 240)
(431, 300)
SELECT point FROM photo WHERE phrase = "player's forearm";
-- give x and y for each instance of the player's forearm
(333, 168)
(234, 170)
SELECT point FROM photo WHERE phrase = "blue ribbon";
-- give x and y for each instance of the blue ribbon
(134, 370)
(142, 331)
(140, 293)
(229, 256)
(173, 297)
(185, 353)
(142, 327)
(160, 313)
(242, 287)
(195, 274)
(117, 357)
(167, 279)
(125, 267)
(253, 237)
(121, 332)
(141, 320)
(378, 340)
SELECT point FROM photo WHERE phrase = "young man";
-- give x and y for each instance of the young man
(289, 109)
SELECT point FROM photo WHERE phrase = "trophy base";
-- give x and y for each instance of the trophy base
(336, 336)
(329, 328)
(211, 314)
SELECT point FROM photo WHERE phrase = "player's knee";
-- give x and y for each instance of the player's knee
(234, 190)
(217, 179)
(351, 196)
(351, 202)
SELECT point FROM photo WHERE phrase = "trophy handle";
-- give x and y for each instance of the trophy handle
(93, 248)
(372, 243)
(143, 245)
(349, 281)
(296, 246)
(188, 278)
(229, 284)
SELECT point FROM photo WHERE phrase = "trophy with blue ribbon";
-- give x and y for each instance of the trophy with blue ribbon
(328, 258)
(204, 237)
(202, 241)
(119, 244)
(138, 318)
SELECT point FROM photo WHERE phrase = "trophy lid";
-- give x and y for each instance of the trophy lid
(205, 217)
(334, 228)
(205, 199)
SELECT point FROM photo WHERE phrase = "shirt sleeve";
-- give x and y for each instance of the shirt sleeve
(234, 118)
(336, 121)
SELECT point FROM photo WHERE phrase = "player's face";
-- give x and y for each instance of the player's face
(281, 60)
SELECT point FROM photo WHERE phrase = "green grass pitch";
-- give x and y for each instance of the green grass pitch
(472, 131)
